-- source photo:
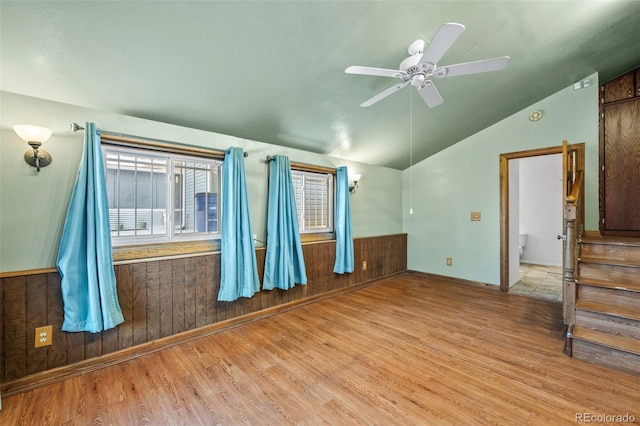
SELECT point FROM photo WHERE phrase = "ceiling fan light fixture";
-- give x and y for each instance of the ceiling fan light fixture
(417, 80)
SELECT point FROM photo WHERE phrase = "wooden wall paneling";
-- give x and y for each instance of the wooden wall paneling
(166, 298)
(242, 306)
(321, 256)
(399, 247)
(109, 340)
(57, 352)
(125, 297)
(326, 254)
(212, 279)
(76, 346)
(93, 343)
(220, 307)
(320, 284)
(177, 268)
(153, 300)
(15, 337)
(313, 273)
(140, 283)
(36, 312)
(190, 289)
(361, 253)
(387, 260)
(201, 284)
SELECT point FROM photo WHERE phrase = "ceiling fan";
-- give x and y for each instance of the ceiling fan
(421, 66)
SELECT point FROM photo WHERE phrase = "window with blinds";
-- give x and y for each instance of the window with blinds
(161, 196)
(314, 201)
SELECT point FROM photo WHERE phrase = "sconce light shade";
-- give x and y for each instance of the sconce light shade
(29, 133)
(354, 178)
(34, 136)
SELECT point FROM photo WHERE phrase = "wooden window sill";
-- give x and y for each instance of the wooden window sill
(159, 250)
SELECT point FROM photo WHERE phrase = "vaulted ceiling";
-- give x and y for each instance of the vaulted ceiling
(273, 71)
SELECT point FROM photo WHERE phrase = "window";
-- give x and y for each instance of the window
(155, 196)
(314, 201)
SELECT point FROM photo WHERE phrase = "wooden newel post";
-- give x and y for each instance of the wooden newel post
(569, 287)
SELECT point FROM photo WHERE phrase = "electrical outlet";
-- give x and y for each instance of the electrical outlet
(43, 336)
(449, 261)
(364, 265)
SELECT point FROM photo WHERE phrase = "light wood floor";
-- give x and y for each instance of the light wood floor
(406, 351)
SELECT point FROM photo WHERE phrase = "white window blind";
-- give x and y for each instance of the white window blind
(314, 201)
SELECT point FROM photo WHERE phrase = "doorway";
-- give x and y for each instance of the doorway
(535, 215)
(510, 229)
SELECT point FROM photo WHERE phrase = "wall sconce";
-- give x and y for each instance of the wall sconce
(34, 136)
(355, 178)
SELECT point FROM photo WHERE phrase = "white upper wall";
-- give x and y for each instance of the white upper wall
(541, 208)
(445, 188)
(33, 206)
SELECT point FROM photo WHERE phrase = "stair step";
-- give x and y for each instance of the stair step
(608, 309)
(621, 343)
(620, 275)
(613, 250)
(635, 287)
(613, 261)
(605, 356)
(611, 241)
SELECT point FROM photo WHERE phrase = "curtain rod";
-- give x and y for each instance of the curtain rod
(76, 127)
(304, 166)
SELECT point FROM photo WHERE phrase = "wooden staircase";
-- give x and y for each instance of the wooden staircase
(606, 329)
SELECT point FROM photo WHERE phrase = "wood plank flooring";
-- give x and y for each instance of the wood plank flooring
(405, 351)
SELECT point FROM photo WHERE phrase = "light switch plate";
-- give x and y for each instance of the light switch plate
(475, 216)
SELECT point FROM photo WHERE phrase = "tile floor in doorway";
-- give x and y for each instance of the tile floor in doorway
(539, 281)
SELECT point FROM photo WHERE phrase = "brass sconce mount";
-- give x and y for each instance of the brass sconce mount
(37, 157)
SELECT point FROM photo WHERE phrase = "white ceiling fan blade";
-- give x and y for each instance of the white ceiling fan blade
(382, 72)
(391, 90)
(484, 65)
(442, 41)
(430, 94)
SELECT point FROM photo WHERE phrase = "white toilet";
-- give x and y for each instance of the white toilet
(522, 241)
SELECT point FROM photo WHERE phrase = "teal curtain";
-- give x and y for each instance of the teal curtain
(342, 224)
(284, 262)
(238, 269)
(85, 261)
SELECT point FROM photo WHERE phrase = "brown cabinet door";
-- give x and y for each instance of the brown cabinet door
(622, 87)
(622, 168)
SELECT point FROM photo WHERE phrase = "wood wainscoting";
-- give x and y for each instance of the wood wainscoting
(163, 302)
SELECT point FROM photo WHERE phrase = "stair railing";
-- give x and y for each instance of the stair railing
(573, 226)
